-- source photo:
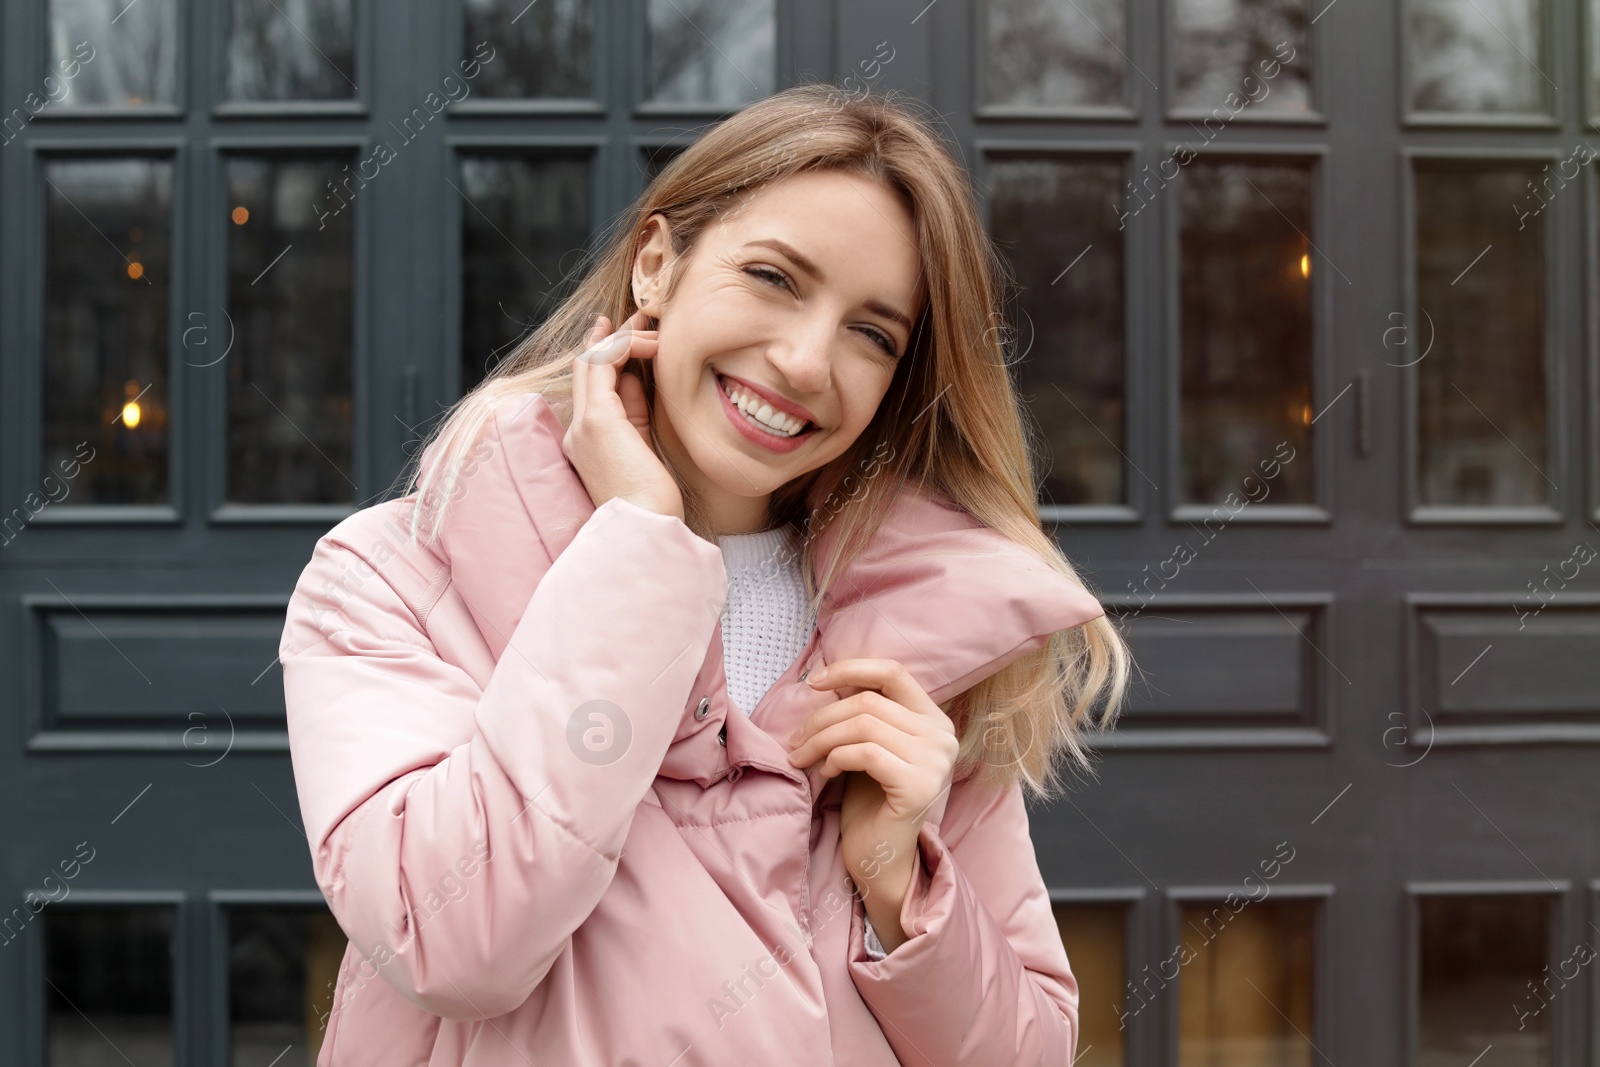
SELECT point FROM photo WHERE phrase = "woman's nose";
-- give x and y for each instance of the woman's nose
(805, 359)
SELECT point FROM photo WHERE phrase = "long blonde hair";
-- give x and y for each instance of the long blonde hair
(950, 422)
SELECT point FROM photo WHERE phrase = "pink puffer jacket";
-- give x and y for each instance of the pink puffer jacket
(552, 839)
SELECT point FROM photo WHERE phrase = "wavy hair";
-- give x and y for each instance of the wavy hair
(950, 423)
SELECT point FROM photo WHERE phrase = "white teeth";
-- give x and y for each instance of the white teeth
(760, 411)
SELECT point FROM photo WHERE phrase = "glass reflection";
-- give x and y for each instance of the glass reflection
(540, 50)
(713, 52)
(1057, 221)
(1094, 936)
(283, 965)
(654, 159)
(293, 50)
(108, 974)
(290, 235)
(1472, 56)
(1245, 269)
(107, 278)
(1247, 56)
(110, 53)
(522, 220)
(1481, 390)
(1054, 53)
(1483, 979)
(1246, 990)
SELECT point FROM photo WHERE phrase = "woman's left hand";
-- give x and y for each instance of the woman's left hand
(890, 729)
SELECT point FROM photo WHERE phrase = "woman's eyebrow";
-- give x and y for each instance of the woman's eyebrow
(808, 266)
(800, 260)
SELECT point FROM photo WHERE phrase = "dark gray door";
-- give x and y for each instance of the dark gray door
(226, 232)
(1307, 329)
(1305, 325)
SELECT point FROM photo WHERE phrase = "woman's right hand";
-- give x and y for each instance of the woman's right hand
(608, 437)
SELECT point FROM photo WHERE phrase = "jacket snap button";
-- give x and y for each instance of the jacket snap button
(703, 709)
(722, 735)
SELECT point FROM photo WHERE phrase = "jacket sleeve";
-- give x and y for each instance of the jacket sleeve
(461, 835)
(983, 977)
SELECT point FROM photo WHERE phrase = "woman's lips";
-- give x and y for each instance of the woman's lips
(776, 400)
(753, 433)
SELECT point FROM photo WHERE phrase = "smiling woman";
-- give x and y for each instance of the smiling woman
(787, 324)
(885, 330)
(604, 551)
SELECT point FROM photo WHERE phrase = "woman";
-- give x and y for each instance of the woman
(681, 715)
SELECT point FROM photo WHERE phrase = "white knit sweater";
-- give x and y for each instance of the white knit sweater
(766, 623)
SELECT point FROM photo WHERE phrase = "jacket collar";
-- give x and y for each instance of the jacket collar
(951, 599)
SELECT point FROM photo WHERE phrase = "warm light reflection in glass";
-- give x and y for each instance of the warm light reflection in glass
(1094, 936)
(106, 338)
(292, 371)
(1305, 265)
(241, 215)
(1247, 990)
(1245, 319)
(131, 412)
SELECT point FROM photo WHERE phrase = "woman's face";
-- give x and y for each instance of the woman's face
(802, 300)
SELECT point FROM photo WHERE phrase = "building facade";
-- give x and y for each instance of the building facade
(1305, 318)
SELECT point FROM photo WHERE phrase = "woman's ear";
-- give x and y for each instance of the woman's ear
(651, 265)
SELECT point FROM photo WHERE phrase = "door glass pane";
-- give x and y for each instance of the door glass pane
(109, 53)
(1483, 961)
(1054, 53)
(1246, 991)
(1242, 56)
(107, 277)
(1476, 55)
(1095, 939)
(1057, 222)
(283, 964)
(1481, 298)
(108, 973)
(523, 225)
(526, 49)
(290, 236)
(1245, 261)
(653, 159)
(715, 52)
(292, 50)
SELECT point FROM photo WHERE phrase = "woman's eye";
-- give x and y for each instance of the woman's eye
(769, 274)
(884, 340)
